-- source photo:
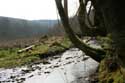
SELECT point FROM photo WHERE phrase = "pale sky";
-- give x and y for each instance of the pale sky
(33, 9)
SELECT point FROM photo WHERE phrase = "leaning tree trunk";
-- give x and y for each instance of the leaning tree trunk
(96, 54)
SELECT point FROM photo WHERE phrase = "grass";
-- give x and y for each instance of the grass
(10, 57)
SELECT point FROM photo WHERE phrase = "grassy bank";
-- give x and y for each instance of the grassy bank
(10, 57)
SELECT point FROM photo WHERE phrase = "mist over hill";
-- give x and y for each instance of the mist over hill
(13, 28)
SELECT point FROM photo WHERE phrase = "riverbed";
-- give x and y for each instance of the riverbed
(72, 66)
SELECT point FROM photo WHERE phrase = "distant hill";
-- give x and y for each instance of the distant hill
(48, 23)
(13, 28)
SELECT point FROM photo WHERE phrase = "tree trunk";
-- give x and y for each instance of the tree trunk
(81, 18)
(114, 19)
(96, 54)
(66, 6)
(114, 15)
(86, 26)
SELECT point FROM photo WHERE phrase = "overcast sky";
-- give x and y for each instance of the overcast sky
(33, 9)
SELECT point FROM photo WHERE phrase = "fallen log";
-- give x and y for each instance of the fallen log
(26, 49)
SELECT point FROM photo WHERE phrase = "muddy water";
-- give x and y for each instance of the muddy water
(70, 67)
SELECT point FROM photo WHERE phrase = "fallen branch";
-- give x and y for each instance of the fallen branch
(26, 49)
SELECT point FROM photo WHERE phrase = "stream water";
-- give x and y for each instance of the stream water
(72, 66)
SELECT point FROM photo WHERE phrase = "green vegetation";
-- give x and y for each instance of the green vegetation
(11, 58)
(108, 74)
(105, 76)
